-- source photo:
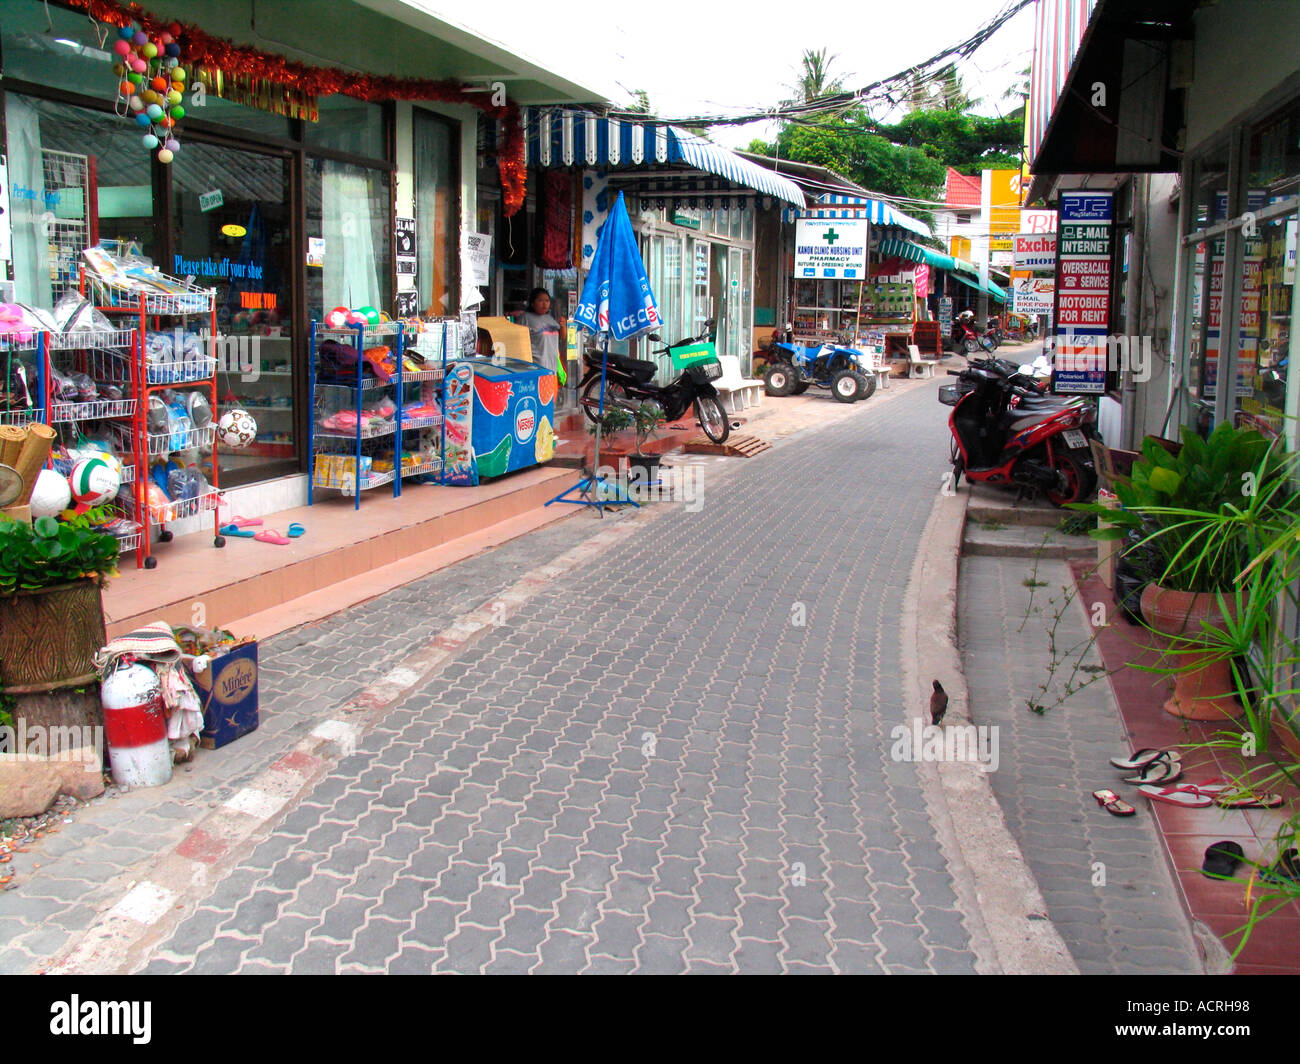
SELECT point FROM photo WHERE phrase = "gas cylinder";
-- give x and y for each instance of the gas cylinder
(135, 727)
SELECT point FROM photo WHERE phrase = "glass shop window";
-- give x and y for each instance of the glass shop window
(348, 124)
(437, 215)
(348, 246)
(75, 177)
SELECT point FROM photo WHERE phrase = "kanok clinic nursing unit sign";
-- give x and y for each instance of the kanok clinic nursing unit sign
(832, 249)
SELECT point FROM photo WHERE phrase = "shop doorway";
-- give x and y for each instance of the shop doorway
(232, 231)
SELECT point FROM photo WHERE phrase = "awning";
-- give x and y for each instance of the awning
(564, 137)
(905, 249)
(996, 293)
(875, 211)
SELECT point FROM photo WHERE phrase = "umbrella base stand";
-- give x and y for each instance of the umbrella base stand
(589, 490)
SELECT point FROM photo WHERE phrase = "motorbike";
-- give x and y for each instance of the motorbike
(795, 368)
(966, 337)
(628, 384)
(1005, 431)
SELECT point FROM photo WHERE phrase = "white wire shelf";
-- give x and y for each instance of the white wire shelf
(18, 341)
(21, 417)
(166, 442)
(64, 466)
(95, 410)
(191, 299)
(92, 340)
(183, 371)
(415, 424)
(432, 466)
(175, 509)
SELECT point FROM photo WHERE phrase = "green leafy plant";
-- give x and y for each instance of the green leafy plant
(647, 418)
(49, 552)
(1205, 512)
(614, 419)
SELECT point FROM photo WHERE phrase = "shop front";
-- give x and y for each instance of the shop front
(702, 214)
(285, 199)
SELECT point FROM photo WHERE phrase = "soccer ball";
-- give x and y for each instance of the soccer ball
(93, 482)
(237, 428)
(51, 495)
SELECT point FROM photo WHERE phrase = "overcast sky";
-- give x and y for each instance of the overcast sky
(712, 57)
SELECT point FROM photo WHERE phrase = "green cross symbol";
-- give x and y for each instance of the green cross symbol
(830, 236)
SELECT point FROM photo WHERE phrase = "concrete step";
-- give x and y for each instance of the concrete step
(988, 503)
(1026, 541)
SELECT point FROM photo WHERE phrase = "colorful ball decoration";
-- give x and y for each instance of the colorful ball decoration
(151, 86)
(93, 483)
(370, 314)
(237, 428)
(51, 495)
(336, 318)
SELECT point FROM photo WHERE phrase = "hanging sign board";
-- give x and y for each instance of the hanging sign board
(404, 246)
(478, 257)
(210, 201)
(1085, 231)
(1035, 251)
(831, 248)
(1033, 295)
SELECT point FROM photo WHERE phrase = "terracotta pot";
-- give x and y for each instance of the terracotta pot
(1204, 690)
(50, 637)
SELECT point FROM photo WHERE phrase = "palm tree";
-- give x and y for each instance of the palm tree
(815, 79)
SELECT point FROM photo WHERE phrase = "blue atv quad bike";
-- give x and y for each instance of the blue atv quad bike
(796, 368)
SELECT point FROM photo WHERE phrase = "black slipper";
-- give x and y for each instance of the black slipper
(1286, 870)
(1221, 860)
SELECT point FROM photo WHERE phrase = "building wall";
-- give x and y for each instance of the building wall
(1244, 50)
(1157, 308)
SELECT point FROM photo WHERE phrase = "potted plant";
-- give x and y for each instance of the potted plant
(51, 575)
(646, 419)
(1203, 515)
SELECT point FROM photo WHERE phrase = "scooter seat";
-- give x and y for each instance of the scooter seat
(638, 369)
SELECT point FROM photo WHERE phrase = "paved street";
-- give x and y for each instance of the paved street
(655, 768)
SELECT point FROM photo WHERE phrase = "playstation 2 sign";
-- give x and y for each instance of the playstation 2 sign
(831, 249)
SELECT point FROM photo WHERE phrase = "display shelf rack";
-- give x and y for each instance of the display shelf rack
(343, 457)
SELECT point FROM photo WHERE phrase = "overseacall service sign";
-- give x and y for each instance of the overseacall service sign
(833, 248)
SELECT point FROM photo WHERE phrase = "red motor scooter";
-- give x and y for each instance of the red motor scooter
(1006, 433)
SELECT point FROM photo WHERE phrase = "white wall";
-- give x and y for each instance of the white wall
(1244, 49)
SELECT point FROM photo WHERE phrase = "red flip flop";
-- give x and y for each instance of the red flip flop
(1187, 796)
(1240, 800)
(270, 535)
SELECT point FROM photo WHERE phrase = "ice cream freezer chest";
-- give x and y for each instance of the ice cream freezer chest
(514, 415)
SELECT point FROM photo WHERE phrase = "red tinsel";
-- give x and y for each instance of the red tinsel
(202, 48)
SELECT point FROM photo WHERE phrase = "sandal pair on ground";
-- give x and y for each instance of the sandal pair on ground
(242, 528)
(1151, 767)
(1156, 767)
(1222, 858)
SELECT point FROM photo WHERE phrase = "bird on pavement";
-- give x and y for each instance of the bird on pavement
(938, 703)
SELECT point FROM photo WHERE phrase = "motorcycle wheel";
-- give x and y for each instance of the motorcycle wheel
(844, 386)
(1072, 480)
(779, 380)
(970, 346)
(713, 419)
(591, 397)
(866, 386)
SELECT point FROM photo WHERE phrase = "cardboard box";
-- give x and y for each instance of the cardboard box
(19, 513)
(228, 690)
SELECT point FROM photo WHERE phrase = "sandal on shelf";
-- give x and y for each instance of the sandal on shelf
(236, 530)
(1142, 758)
(270, 535)
(1113, 803)
(1221, 860)
(1186, 796)
(1158, 772)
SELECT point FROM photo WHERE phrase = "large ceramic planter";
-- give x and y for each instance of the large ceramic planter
(1203, 691)
(50, 637)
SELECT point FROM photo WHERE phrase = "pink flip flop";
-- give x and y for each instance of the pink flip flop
(1187, 797)
(245, 522)
(270, 535)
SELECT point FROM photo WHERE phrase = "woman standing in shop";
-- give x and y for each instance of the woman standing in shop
(543, 330)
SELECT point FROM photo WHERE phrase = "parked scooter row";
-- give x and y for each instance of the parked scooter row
(1007, 430)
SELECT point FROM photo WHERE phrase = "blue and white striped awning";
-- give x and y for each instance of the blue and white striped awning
(877, 212)
(559, 136)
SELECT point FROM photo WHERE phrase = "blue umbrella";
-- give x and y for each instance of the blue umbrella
(616, 301)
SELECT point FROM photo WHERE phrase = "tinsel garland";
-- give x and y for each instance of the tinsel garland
(200, 48)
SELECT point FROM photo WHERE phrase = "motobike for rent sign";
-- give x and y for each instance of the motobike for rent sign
(831, 248)
(1083, 280)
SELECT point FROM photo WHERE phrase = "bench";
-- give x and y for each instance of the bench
(877, 367)
(736, 392)
(917, 366)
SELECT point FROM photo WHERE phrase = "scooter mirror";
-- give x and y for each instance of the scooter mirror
(655, 337)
